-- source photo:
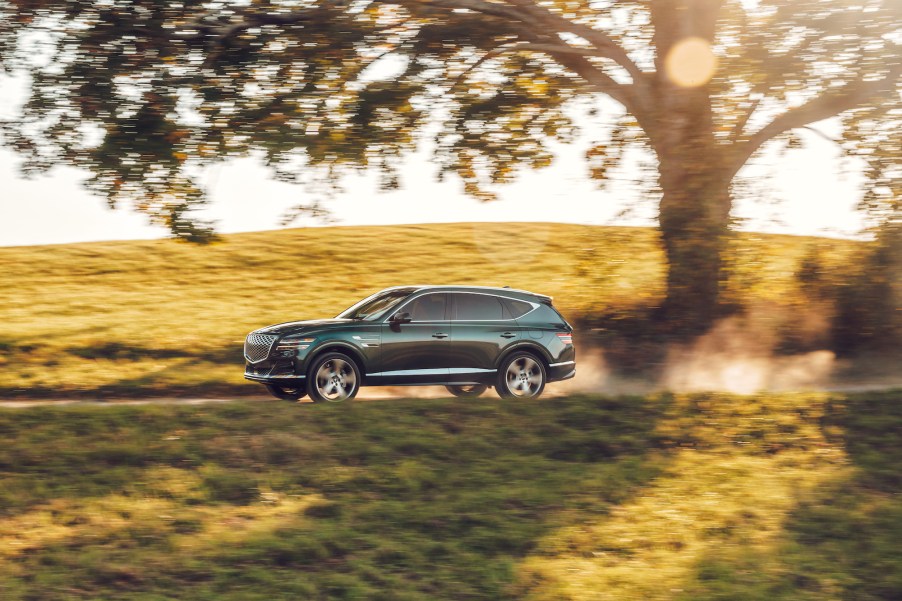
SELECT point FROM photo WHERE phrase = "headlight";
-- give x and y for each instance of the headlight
(289, 345)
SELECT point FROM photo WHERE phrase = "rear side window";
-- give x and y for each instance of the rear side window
(430, 307)
(479, 307)
(514, 308)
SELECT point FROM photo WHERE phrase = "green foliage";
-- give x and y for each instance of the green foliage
(868, 304)
(665, 497)
(143, 93)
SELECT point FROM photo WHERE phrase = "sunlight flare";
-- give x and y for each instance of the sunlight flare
(690, 63)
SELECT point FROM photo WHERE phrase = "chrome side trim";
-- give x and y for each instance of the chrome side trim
(561, 363)
(470, 370)
(369, 342)
(411, 372)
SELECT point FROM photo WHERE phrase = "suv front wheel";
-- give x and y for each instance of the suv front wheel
(333, 378)
(522, 376)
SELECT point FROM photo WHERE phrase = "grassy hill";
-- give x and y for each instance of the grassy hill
(684, 498)
(164, 317)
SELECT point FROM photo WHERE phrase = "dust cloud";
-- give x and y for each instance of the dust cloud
(729, 358)
(732, 357)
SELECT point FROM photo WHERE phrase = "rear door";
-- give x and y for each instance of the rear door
(481, 329)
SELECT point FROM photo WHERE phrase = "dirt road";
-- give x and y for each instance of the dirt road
(367, 394)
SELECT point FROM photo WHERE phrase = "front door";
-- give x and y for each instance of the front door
(417, 352)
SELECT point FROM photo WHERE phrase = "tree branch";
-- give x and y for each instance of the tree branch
(562, 48)
(531, 16)
(744, 119)
(198, 29)
(819, 133)
(564, 55)
(604, 44)
(850, 96)
(622, 93)
(487, 8)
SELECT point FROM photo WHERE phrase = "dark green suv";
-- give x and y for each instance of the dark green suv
(466, 338)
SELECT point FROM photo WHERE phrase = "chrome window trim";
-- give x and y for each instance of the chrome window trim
(532, 304)
(451, 319)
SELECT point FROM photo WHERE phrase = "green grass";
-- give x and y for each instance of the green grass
(168, 318)
(701, 497)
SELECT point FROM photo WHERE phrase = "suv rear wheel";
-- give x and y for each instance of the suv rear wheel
(522, 376)
(333, 378)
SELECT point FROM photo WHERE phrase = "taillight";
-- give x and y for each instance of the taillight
(565, 337)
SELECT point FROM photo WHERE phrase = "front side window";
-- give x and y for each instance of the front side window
(478, 307)
(372, 307)
(429, 307)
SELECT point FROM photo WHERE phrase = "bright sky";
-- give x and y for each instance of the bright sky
(808, 192)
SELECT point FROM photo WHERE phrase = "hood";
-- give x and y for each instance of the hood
(297, 327)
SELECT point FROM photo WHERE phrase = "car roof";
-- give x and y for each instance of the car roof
(501, 291)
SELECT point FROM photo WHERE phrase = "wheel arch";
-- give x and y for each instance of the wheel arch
(336, 346)
(529, 347)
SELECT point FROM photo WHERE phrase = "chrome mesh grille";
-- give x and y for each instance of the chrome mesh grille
(256, 346)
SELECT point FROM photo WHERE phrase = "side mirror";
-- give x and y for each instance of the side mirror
(401, 317)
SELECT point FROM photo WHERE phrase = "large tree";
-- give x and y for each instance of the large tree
(144, 92)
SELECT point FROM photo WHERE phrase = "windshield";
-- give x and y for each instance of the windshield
(378, 304)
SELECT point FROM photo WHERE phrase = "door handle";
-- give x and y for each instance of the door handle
(439, 335)
(508, 335)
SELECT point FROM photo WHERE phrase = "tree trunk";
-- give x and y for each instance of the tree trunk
(694, 220)
(694, 212)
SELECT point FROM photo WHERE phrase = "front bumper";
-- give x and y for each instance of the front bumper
(274, 372)
(280, 380)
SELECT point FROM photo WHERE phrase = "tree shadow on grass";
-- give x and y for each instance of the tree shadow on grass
(843, 538)
(416, 499)
(163, 372)
(126, 352)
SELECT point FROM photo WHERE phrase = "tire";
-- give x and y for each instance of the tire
(466, 391)
(286, 394)
(522, 376)
(333, 378)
